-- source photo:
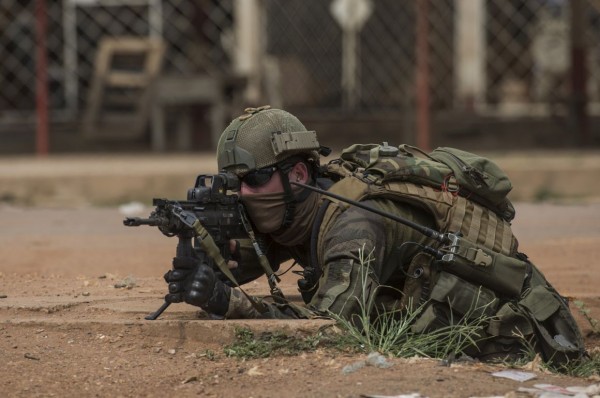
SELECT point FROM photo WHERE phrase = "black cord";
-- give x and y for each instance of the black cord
(287, 270)
(427, 249)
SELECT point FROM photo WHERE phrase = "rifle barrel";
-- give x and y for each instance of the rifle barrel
(153, 221)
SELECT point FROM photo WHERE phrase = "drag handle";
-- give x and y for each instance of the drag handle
(156, 314)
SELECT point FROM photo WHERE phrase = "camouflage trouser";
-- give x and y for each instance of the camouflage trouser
(240, 307)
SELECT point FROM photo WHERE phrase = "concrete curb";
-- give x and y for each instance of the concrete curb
(111, 315)
(204, 332)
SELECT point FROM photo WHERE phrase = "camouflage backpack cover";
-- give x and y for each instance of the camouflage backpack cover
(456, 171)
(467, 195)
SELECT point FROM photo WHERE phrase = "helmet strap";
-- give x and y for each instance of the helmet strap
(290, 200)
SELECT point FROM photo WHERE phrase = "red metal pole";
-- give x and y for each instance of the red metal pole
(579, 72)
(422, 75)
(41, 79)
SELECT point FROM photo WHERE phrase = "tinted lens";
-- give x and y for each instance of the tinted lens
(259, 177)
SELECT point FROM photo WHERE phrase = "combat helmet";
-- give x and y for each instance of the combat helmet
(263, 137)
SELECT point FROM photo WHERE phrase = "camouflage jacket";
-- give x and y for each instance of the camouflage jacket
(359, 251)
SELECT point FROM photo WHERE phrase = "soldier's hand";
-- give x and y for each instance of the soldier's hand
(186, 263)
(198, 286)
(208, 292)
(234, 249)
(183, 269)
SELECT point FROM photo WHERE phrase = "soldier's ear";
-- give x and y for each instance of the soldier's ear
(299, 173)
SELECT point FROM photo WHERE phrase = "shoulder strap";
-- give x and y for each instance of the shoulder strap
(349, 187)
(315, 264)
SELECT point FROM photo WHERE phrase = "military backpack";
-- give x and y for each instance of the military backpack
(467, 196)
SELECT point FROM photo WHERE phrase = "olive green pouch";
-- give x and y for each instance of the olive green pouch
(482, 178)
(453, 298)
(557, 333)
(481, 266)
(510, 321)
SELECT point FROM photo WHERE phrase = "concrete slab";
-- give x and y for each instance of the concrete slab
(109, 315)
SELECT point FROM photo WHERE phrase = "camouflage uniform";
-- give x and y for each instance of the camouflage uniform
(397, 273)
(340, 287)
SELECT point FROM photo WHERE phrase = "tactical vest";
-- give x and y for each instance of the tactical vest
(508, 289)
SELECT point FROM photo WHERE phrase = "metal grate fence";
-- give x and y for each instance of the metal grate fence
(308, 60)
(518, 53)
(529, 50)
(193, 30)
(309, 43)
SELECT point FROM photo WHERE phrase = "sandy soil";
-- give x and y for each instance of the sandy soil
(66, 330)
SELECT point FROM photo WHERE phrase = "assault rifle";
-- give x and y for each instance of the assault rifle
(208, 202)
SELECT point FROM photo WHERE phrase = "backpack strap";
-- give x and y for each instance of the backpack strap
(311, 274)
(409, 150)
(350, 187)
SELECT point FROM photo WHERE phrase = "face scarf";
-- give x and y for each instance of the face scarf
(267, 210)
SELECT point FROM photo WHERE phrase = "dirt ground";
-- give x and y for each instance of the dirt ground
(66, 330)
(75, 285)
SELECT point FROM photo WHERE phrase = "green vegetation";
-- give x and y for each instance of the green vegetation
(389, 333)
(209, 354)
(583, 368)
(586, 367)
(586, 314)
(580, 368)
(247, 345)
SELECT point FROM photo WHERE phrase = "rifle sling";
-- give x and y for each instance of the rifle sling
(276, 292)
(210, 247)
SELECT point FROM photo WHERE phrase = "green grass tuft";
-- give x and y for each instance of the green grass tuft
(390, 332)
(247, 345)
(586, 314)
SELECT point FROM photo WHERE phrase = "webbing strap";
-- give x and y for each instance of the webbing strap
(490, 237)
(263, 260)
(459, 214)
(412, 189)
(483, 227)
(314, 237)
(373, 156)
(210, 247)
(290, 200)
(507, 238)
(475, 224)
